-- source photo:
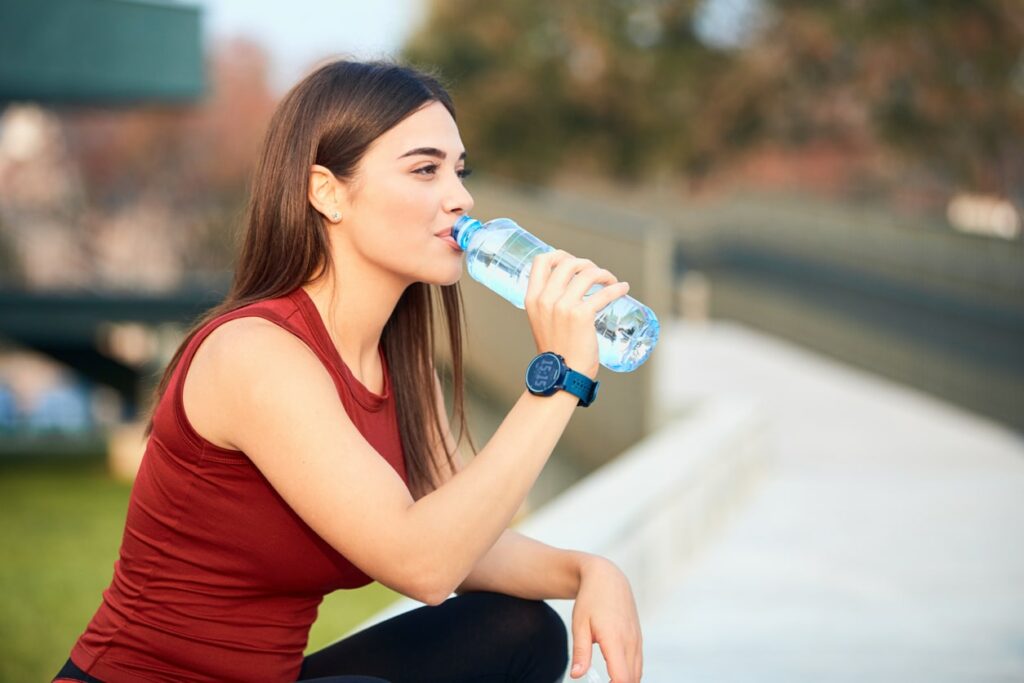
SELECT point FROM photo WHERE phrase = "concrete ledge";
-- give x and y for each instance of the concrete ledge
(651, 508)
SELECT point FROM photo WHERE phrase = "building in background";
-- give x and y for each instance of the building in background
(72, 55)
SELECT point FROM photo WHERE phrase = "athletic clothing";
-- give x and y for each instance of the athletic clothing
(218, 579)
(480, 637)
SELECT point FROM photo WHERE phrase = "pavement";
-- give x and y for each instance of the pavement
(885, 542)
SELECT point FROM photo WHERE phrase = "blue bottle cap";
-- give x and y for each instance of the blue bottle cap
(464, 229)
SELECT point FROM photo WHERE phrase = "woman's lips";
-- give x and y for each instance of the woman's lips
(450, 241)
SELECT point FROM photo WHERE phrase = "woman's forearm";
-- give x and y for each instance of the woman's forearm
(451, 528)
(524, 567)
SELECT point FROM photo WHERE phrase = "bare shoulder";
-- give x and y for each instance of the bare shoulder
(243, 358)
(248, 337)
(260, 390)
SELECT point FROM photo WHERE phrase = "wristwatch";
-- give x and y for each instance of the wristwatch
(547, 373)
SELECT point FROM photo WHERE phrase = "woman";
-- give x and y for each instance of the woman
(299, 443)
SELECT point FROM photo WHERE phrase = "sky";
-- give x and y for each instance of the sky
(299, 32)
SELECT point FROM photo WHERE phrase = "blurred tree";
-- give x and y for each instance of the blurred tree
(630, 88)
(603, 86)
(195, 160)
(939, 82)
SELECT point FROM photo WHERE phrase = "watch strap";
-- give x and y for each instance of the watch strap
(581, 386)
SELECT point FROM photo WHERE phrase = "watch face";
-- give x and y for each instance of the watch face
(544, 372)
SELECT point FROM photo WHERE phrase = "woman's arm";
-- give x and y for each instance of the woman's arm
(277, 403)
(516, 564)
(479, 502)
(524, 567)
(604, 611)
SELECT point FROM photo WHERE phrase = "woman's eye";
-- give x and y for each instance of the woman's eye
(432, 168)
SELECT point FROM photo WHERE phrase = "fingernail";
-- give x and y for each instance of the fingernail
(576, 668)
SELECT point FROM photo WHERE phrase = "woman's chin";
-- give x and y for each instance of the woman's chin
(452, 281)
(442, 280)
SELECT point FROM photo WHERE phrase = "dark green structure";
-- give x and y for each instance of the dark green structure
(65, 326)
(99, 52)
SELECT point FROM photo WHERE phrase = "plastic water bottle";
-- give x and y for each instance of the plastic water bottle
(500, 254)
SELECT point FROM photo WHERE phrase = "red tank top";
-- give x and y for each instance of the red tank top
(218, 579)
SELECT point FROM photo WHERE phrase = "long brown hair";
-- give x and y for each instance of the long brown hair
(330, 118)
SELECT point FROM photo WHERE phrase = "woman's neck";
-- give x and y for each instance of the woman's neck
(355, 303)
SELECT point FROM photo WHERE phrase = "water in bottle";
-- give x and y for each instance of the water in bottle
(499, 254)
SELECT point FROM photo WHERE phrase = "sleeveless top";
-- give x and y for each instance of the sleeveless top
(218, 579)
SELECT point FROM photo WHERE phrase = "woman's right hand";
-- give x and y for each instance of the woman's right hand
(561, 320)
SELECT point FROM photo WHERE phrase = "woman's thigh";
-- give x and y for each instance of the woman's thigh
(477, 637)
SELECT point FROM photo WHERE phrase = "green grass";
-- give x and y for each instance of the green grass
(60, 531)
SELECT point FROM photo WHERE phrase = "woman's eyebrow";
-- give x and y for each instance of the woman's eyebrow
(430, 152)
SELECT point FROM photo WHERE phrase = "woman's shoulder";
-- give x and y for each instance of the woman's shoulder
(258, 319)
(250, 352)
(249, 342)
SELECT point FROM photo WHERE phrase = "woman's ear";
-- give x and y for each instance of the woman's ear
(326, 193)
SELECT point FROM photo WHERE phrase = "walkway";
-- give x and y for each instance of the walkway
(885, 544)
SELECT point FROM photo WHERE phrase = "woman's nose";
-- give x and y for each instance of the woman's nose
(460, 199)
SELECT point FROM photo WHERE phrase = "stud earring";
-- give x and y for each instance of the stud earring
(336, 216)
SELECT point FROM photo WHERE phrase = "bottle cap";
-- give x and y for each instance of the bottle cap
(464, 229)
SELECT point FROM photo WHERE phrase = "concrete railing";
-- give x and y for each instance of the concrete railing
(651, 508)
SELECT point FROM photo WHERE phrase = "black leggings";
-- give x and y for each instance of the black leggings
(474, 637)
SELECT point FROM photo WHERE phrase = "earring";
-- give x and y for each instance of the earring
(336, 216)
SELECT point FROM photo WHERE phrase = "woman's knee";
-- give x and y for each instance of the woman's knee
(532, 629)
(548, 624)
(533, 618)
(344, 679)
(550, 641)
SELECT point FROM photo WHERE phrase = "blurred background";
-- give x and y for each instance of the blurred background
(821, 201)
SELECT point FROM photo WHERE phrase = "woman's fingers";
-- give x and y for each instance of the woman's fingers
(582, 648)
(561, 311)
(558, 276)
(585, 280)
(624, 659)
(540, 272)
(634, 663)
(607, 295)
(637, 660)
(618, 666)
(562, 273)
(638, 656)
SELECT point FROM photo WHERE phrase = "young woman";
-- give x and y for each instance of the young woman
(300, 443)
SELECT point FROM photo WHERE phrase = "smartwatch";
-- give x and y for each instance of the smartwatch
(547, 373)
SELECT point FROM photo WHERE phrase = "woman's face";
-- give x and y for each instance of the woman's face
(407, 190)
